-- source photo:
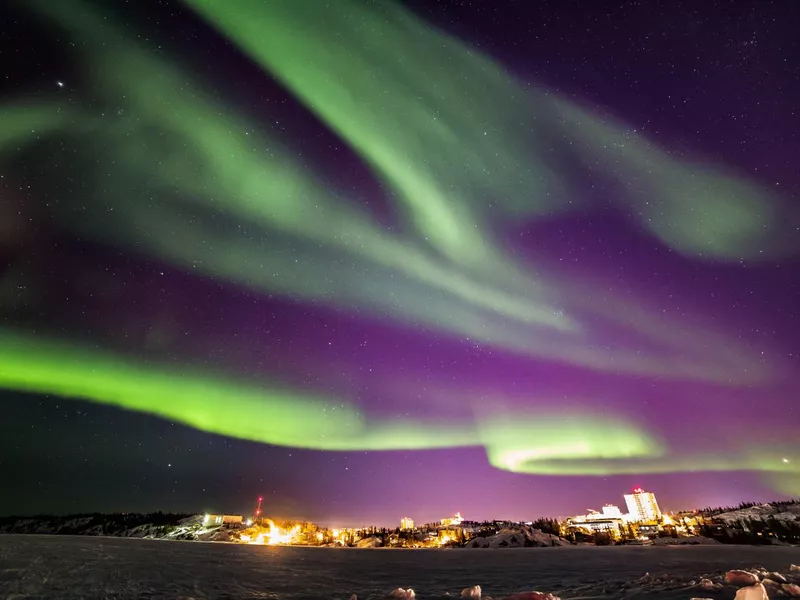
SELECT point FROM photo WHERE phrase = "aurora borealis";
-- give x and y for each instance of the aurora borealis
(338, 242)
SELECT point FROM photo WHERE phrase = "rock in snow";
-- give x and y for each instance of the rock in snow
(738, 577)
(750, 588)
(792, 589)
(706, 584)
(752, 592)
(472, 592)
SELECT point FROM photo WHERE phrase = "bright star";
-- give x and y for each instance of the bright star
(60, 84)
(785, 460)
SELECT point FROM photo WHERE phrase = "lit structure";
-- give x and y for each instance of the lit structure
(274, 537)
(643, 511)
(213, 520)
(610, 521)
(456, 519)
(611, 511)
(642, 506)
(613, 527)
(406, 523)
(444, 538)
(343, 537)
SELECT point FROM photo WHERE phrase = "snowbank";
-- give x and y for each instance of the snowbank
(518, 538)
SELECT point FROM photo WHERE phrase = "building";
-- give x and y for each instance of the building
(456, 519)
(642, 506)
(610, 521)
(229, 520)
(406, 523)
(613, 527)
(610, 511)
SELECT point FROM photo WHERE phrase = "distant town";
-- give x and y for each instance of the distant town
(776, 523)
(643, 524)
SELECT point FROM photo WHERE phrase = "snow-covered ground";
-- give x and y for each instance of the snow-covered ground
(188, 528)
(68, 568)
(518, 538)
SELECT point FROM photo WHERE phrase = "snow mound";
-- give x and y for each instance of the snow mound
(761, 512)
(370, 542)
(518, 538)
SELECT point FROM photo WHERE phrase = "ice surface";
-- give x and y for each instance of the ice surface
(69, 568)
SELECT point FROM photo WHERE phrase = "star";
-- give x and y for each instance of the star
(60, 84)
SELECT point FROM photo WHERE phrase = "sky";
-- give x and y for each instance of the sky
(381, 259)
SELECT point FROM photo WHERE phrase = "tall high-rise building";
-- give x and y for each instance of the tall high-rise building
(642, 506)
(406, 523)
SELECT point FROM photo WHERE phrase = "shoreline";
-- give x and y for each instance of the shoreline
(388, 548)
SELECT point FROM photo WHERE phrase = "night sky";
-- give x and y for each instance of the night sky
(373, 259)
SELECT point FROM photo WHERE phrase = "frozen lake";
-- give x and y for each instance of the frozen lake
(67, 568)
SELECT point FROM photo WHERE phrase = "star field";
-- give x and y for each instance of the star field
(496, 258)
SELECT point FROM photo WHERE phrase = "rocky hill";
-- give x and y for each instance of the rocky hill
(778, 511)
(135, 525)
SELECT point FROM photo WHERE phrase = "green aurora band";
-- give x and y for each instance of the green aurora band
(461, 154)
(174, 143)
(544, 442)
(280, 417)
(457, 137)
